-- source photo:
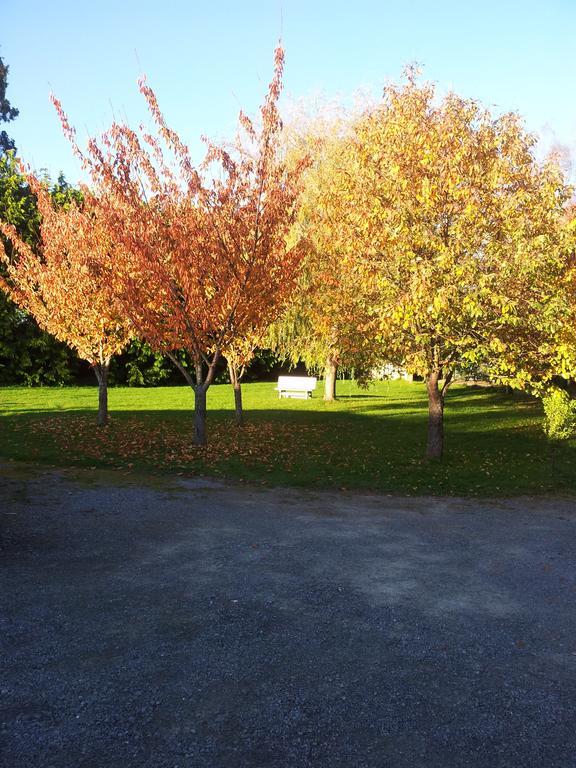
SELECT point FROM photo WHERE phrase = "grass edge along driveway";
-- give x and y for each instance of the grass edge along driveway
(370, 440)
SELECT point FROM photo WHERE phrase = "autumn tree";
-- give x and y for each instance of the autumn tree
(327, 323)
(27, 354)
(239, 353)
(450, 218)
(208, 261)
(65, 282)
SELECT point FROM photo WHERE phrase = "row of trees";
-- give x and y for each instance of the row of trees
(31, 356)
(185, 258)
(422, 233)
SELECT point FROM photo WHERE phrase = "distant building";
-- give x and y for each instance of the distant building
(392, 372)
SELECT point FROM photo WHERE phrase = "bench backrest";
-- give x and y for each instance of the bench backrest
(300, 383)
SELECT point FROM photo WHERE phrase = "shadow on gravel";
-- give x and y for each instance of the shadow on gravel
(217, 626)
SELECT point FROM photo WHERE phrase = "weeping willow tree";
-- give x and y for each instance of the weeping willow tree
(329, 323)
(326, 326)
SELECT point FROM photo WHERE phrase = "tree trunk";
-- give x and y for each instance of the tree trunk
(239, 413)
(435, 444)
(330, 371)
(200, 388)
(200, 415)
(235, 381)
(101, 372)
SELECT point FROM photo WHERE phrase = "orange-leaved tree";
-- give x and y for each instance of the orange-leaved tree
(66, 284)
(239, 354)
(208, 260)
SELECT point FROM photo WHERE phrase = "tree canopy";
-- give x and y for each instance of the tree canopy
(422, 232)
(7, 111)
(454, 227)
(66, 281)
(206, 259)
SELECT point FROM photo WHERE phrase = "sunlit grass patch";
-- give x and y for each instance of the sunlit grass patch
(370, 440)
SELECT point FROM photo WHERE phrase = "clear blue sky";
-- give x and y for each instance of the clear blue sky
(206, 59)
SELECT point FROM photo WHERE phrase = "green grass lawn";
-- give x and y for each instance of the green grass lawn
(372, 440)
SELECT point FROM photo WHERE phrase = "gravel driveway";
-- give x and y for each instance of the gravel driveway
(190, 624)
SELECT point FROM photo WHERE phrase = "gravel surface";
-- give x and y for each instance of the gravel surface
(176, 624)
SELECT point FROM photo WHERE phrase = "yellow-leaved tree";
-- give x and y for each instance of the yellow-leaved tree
(328, 324)
(455, 229)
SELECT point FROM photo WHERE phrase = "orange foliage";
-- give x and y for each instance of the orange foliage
(65, 283)
(207, 259)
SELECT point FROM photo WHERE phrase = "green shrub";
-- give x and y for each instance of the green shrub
(559, 415)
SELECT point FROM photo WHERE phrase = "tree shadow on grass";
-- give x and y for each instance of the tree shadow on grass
(355, 396)
(488, 451)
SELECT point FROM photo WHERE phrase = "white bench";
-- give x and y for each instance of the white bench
(296, 386)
